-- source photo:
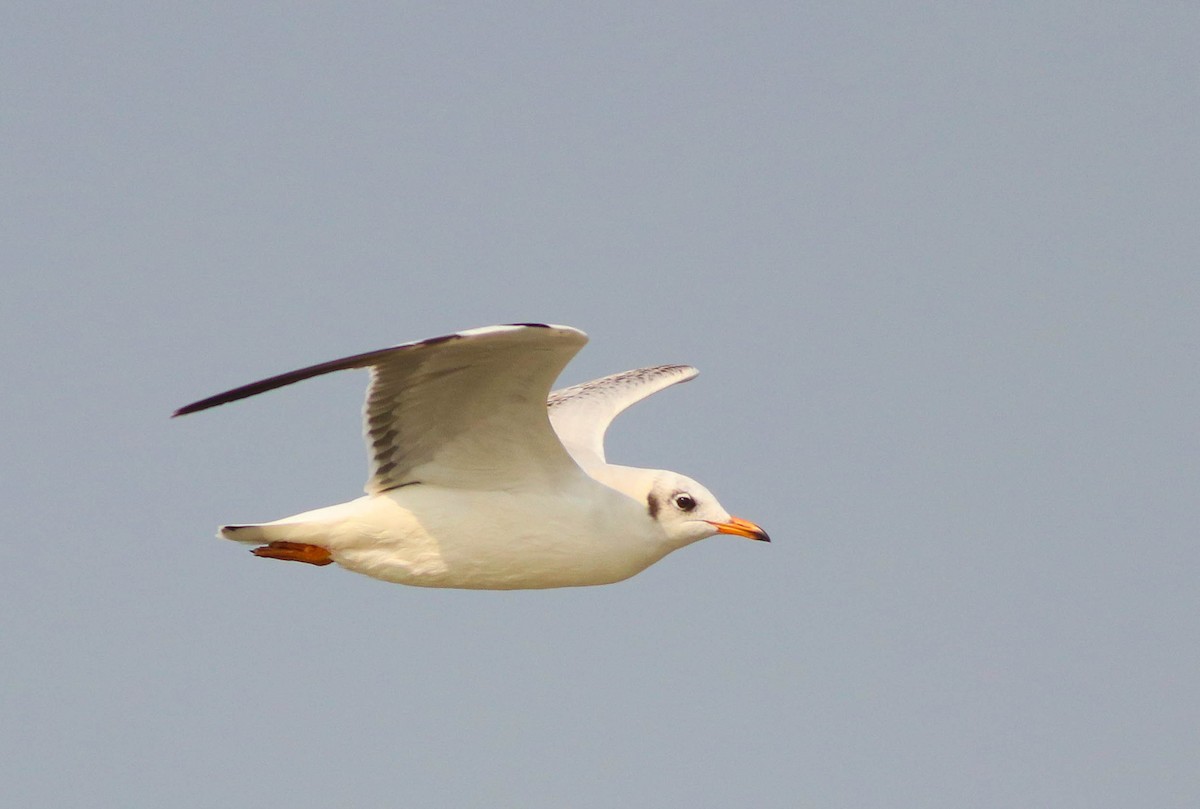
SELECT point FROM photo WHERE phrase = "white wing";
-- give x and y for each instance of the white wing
(581, 414)
(466, 410)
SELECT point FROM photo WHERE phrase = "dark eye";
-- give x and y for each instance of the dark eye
(684, 502)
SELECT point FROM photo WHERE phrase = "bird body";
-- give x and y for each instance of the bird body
(427, 536)
(483, 479)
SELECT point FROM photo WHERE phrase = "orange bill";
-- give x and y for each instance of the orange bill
(741, 528)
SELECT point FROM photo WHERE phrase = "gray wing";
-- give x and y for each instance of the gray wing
(581, 414)
(466, 410)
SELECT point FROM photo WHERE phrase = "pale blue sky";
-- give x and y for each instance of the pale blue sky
(938, 269)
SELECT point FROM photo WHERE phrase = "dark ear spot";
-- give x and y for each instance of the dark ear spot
(652, 506)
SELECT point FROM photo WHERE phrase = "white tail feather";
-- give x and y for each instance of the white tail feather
(267, 532)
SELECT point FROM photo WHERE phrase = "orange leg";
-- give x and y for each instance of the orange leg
(294, 552)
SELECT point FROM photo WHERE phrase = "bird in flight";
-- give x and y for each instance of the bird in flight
(482, 478)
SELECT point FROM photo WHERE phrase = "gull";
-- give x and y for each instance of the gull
(482, 478)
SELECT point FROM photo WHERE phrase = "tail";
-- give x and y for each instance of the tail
(280, 541)
(307, 537)
(316, 527)
(267, 532)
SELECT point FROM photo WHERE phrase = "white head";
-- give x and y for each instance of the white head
(684, 509)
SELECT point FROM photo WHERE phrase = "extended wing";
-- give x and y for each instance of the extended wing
(581, 414)
(463, 410)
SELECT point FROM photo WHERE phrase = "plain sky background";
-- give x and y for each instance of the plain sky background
(938, 267)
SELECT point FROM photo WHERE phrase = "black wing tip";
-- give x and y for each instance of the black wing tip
(432, 341)
(205, 404)
(280, 380)
(193, 407)
(481, 331)
(356, 361)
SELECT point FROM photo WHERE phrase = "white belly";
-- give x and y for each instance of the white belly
(491, 540)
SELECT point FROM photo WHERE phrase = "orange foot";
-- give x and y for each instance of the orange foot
(294, 552)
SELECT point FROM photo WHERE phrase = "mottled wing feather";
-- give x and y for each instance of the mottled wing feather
(463, 410)
(581, 414)
(470, 413)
